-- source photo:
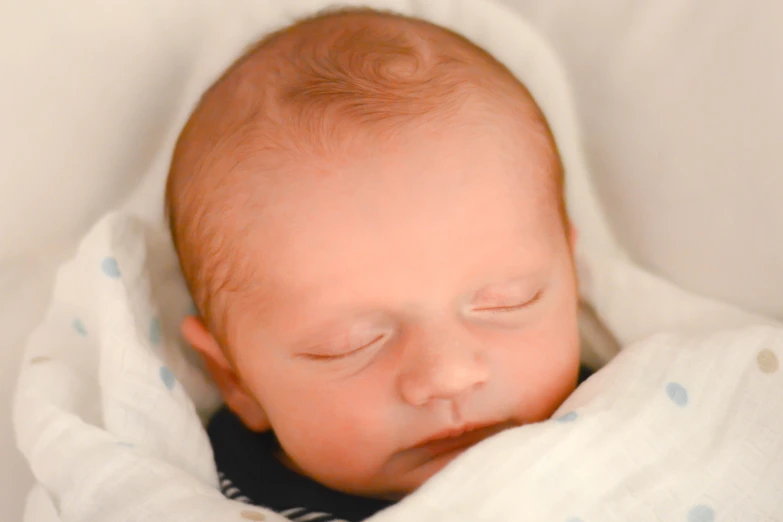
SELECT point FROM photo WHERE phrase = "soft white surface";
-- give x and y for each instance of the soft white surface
(679, 102)
(682, 117)
(24, 291)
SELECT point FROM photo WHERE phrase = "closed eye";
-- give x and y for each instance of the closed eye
(511, 307)
(343, 355)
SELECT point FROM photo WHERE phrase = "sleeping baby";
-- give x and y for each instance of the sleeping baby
(368, 210)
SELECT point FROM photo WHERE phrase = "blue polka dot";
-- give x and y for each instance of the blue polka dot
(78, 325)
(110, 267)
(701, 513)
(167, 377)
(156, 333)
(677, 394)
(568, 417)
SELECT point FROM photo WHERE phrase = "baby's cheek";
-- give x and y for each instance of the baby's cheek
(338, 436)
(539, 372)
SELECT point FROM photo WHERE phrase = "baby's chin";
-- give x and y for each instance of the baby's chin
(405, 472)
(402, 484)
(393, 485)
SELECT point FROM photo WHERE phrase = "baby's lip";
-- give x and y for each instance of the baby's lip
(456, 439)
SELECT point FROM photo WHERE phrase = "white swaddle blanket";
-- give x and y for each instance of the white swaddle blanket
(685, 425)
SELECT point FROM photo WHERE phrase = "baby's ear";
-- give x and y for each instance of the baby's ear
(237, 398)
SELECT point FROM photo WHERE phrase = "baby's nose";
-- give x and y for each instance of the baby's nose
(442, 372)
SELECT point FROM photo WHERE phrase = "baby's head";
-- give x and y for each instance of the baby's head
(369, 215)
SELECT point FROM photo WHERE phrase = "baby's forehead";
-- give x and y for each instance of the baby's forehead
(420, 175)
(397, 181)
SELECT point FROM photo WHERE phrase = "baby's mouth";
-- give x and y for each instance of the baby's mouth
(457, 440)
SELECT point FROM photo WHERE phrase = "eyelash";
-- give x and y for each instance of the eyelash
(355, 351)
(515, 308)
(345, 355)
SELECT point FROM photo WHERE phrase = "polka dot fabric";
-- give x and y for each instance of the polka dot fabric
(137, 408)
(685, 428)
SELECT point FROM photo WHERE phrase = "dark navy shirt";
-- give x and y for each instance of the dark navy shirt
(250, 471)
